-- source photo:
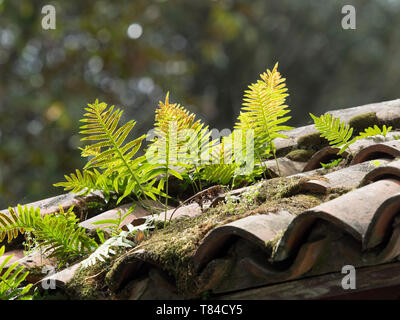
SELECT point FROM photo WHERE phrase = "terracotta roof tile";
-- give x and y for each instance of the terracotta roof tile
(259, 229)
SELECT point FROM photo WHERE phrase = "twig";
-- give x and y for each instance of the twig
(219, 187)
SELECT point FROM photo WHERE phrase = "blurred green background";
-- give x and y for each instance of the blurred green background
(130, 53)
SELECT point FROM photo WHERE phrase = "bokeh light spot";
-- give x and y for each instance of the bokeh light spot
(135, 30)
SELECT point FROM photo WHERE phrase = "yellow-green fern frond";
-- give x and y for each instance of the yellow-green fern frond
(374, 131)
(179, 137)
(102, 128)
(222, 167)
(219, 173)
(180, 141)
(264, 110)
(172, 112)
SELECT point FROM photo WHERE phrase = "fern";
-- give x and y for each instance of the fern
(112, 156)
(221, 168)
(331, 164)
(58, 233)
(11, 279)
(337, 132)
(264, 111)
(219, 173)
(170, 120)
(81, 183)
(105, 250)
(114, 225)
(374, 131)
(179, 139)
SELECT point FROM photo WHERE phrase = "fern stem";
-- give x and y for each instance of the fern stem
(276, 160)
(198, 176)
(271, 144)
(166, 201)
(167, 141)
(262, 165)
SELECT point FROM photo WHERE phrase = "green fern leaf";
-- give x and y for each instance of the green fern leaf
(105, 250)
(337, 132)
(374, 131)
(11, 279)
(81, 183)
(58, 234)
(111, 155)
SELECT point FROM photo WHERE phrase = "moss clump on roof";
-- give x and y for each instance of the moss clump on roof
(363, 121)
(173, 247)
(88, 283)
(311, 141)
(301, 155)
(336, 192)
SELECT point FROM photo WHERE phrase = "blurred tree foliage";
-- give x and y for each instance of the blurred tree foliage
(130, 53)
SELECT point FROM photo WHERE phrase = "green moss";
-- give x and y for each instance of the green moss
(36, 271)
(173, 247)
(336, 192)
(88, 283)
(279, 188)
(363, 121)
(312, 141)
(300, 155)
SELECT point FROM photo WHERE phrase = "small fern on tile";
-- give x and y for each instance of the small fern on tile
(11, 280)
(337, 132)
(58, 233)
(340, 135)
(374, 131)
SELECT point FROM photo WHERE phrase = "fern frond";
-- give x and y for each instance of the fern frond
(111, 153)
(102, 126)
(59, 233)
(11, 279)
(105, 250)
(374, 131)
(179, 137)
(264, 110)
(179, 145)
(13, 224)
(222, 168)
(219, 173)
(337, 132)
(81, 183)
